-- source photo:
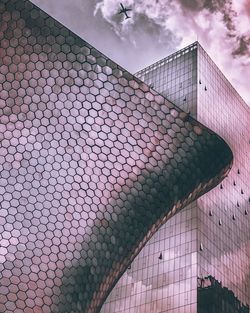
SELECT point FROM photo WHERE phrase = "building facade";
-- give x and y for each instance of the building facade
(85, 149)
(211, 236)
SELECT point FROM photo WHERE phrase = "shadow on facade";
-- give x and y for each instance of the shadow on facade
(214, 298)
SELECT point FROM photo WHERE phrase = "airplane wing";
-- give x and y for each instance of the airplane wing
(126, 15)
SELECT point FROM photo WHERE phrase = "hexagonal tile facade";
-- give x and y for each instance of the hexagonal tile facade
(92, 163)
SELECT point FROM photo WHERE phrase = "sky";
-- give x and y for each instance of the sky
(158, 28)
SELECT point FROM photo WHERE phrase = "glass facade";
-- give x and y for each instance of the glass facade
(223, 215)
(175, 77)
(210, 236)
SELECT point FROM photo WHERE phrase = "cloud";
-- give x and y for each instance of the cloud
(145, 20)
(172, 18)
(194, 5)
(247, 7)
(221, 26)
(151, 20)
(230, 17)
(243, 46)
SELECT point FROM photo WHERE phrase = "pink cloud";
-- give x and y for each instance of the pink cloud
(220, 26)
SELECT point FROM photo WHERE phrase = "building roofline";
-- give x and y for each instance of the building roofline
(195, 45)
(170, 57)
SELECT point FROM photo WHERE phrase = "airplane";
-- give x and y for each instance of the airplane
(124, 10)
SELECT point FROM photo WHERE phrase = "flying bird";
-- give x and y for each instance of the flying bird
(124, 10)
